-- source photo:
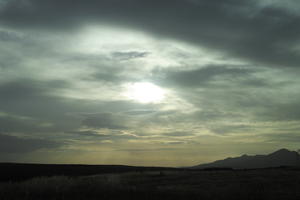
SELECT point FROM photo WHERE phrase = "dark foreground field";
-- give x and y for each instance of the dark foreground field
(158, 184)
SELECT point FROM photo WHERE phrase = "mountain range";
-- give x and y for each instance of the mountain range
(282, 157)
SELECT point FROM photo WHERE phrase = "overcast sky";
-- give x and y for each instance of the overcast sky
(148, 82)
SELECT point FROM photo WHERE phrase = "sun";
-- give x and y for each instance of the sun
(145, 92)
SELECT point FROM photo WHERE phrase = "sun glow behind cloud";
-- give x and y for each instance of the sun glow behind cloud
(145, 92)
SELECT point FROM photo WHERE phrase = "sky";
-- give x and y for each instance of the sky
(140, 82)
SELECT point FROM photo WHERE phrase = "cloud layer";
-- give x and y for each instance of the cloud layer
(229, 72)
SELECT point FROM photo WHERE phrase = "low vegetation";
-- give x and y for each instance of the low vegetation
(228, 184)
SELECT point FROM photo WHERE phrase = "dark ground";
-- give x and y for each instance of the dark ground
(19, 172)
(123, 182)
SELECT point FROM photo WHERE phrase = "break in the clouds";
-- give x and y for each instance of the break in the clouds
(147, 82)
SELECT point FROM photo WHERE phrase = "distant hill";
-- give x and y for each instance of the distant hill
(282, 157)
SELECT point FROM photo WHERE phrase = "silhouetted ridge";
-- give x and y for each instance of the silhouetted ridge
(282, 157)
(282, 152)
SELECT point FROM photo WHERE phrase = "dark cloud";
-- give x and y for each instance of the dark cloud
(178, 134)
(288, 138)
(147, 150)
(26, 88)
(93, 134)
(175, 142)
(241, 29)
(19, 124)
(83, 58)
(107, 77)
(201, 77)
(104, 120)
(6, 36)
(12, 144)
(232, 129)
(112, 77)
(216, 113)
(36, 99)
(139, 112)
(123, 106)
(128, 55)
(288, 111)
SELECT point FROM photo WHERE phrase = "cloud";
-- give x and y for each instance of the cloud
(36, 99)
(27, 88)
(288, 138)
(10, 36)
(227, 67)
(232, 129)
(202, 77)
(179, 134)
(41, 102)
(139, 112)
(128, 55)
(12, 144)
(104, 120)
(88, 133)
(287, 111)
(242, 29)
(217, 113)
(22, 124)
(96, 135)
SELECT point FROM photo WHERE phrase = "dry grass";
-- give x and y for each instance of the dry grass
(251, 184)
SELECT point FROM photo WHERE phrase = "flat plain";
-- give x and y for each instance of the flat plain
(160, 183)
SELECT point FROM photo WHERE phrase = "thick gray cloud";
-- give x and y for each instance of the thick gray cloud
(20, 125)
(89, 134)
(284, 137)
(287, 111)
(201, 77)
(139, 112)
(242, 29)
(28, 88)
(232, 129)
(104, 120)
(12, 144)
(34, 99)
(179, 134)
(9, 36)
(129, 55)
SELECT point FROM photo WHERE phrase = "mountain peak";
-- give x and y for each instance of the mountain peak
(283, 152)
(281, 157)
